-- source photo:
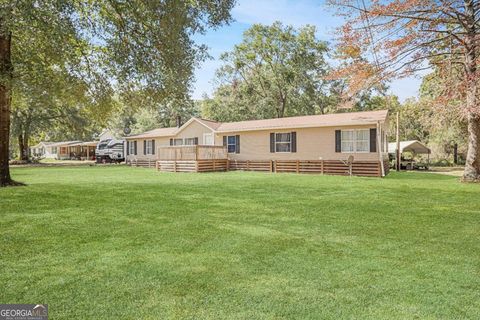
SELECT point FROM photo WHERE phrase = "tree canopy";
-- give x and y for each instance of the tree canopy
(127, 46)
(384, 40)
(275, 71)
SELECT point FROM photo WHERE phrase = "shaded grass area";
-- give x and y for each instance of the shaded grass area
(119, 242)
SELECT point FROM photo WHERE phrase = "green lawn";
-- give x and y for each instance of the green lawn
(132, 243)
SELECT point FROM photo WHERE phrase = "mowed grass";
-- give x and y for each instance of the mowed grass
(131, 243)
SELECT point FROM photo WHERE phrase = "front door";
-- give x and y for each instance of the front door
(208, 139)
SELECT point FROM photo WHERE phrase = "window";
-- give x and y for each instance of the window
(208, 139)
(178, 142)
(231, 144)
(362, 138)
(54, 150)
(189, 141)
(131, 147)
(283, 142)
(348, 141)
(148, 147)
(356, 140)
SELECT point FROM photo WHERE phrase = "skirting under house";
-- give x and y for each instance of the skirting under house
(215, 159)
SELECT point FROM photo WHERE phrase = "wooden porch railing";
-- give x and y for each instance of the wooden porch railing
(198, 152)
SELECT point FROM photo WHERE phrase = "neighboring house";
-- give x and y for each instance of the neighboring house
(42, 150)
(54, 150)
(106, 134)
(321, 141)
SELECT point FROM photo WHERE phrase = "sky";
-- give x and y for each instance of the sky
(292, 12)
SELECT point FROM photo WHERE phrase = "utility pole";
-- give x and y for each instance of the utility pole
(397, 151)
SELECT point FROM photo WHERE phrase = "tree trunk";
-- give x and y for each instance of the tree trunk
(455, 154)
(26, 148)
(20, 147)
(283, 105)
(23, 147)
(5, 100)
(472, 164)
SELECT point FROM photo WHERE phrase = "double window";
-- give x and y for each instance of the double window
(178, 142)
(189, 141)
(283, 142)
(356, 140)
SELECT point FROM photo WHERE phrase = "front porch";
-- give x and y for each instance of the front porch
(197, 158)
(80, 151)
(200, 158)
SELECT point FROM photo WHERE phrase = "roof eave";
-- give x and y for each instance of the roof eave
(372, 122)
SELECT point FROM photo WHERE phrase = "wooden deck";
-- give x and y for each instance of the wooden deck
(215, 158)
(197, 158)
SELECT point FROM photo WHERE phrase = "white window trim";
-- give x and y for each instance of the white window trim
(205, 140)
(175, 142)
(283, 142)
(355, 141)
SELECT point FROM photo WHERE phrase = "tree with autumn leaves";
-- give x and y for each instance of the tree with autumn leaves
(385, 40)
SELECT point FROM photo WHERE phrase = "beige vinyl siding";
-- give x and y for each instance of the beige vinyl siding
(312, 144)
(163, 141)
(193, 130)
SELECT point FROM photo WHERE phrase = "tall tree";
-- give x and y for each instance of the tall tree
(389, 39)
(278, 67)
(136, 44)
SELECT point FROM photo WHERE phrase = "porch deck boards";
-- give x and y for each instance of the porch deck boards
(329, 167)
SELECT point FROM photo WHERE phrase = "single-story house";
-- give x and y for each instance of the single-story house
(330, 143)
(82, 150)
(63, 150)
(42, 150)
(54, 150)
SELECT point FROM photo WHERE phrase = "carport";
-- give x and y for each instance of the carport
(415, 147)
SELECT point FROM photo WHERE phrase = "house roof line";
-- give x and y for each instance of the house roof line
(298, 126)
(310, 121)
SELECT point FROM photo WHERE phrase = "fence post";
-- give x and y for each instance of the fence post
(228, 165)
(157, 163)
(298, 169)
(321, 166)
(248, 165)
